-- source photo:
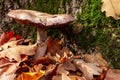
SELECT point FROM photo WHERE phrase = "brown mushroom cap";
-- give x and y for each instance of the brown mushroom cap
(40, 19)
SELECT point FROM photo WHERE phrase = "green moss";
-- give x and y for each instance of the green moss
(48, 6)
(99, 30)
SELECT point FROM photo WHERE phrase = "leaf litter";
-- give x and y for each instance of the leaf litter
(19, 62)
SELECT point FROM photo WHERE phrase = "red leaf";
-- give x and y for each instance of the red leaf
(2, 38)
(6, 36)
(17, 37)
(10, 34)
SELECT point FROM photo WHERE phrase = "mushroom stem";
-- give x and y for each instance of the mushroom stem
(41, 41)
(41, 35)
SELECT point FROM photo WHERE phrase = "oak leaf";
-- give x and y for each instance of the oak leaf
(16, 52)
(112, 8)
(88, 69)
(11, 44)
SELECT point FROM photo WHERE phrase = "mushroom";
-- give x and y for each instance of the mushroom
(41, 21)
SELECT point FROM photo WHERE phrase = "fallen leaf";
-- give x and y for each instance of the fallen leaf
(96, 59)
(37, 68)
(61, 70)
(112, 74)
(49, 67)
(63, 59)
(57, 77)
(6, 77)
(88, 69)
(43, 60)
(16, 52)
(6, 36)
(11, 44)
(22, 69)
(65, 77)
(2, 38)
(60, 58)
(4, 62)
(31, 75)
(54, 46)
(50, 73)
(102, 75)
(61, 77)
(11, 68)
(65, 52)
(68, 65)
(8, 72)
(74, 77)
(18, 37)
(65, 56)
(109, 6)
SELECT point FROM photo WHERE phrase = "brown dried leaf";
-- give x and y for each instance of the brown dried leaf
(74, 77)
(43, 60)
(5, 62)
(6, 77)
(16, 52)
(53, 46)
(112, 8)
(60, 58)
(65, 51)
(49, 67)
(61, 70)
(57, 77)
(8, 72)
(68, 65)
(37, 68)
(96, 59)
(88, 69)
(50, 73)
(113, 74)
(11, 44)
(61, 77)
(65, 77)
(102, 76)
(22, 69)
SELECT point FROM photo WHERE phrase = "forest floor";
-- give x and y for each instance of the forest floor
(18, 61)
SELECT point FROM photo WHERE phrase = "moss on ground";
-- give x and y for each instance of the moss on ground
(100, 31)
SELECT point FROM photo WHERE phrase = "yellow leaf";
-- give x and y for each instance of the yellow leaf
(31, 75)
